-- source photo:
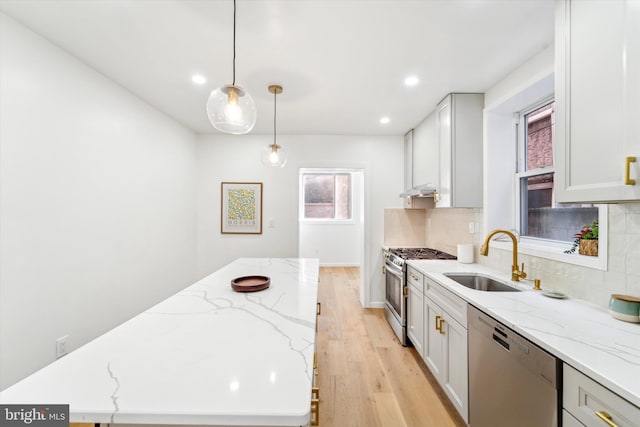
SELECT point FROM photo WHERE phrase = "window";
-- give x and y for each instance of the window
(326, 196)
(539, 215)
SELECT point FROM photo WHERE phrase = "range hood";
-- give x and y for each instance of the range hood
(425, 190)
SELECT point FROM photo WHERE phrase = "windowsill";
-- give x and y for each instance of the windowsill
(326, 221)
(554, 251)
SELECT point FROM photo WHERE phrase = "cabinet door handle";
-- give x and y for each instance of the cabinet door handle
(440, 328)
(604, 416)
(438, 323)
(405, 291)
(435, 197)
(315, 406)
(627, 171)
(318, 309)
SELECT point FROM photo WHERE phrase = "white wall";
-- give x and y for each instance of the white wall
(237, 158)
(335, 244)
(97, 196)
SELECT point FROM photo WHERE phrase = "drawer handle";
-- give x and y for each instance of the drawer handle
(435, 197)
(604, 416)
(318, 309)
(315, 406)
(627, 172)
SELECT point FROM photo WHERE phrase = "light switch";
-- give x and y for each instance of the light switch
(472, 227)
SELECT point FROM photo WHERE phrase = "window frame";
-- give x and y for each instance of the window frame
(301, 203)
(539, 247)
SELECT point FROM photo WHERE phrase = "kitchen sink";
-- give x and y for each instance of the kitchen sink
(480, 282)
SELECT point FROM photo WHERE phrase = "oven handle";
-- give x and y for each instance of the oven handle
(394, 272)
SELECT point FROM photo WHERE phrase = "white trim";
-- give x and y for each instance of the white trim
(326, 221)
(324, 171)
(376, 304)
(339, 264)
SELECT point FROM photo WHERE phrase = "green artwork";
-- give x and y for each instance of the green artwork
(242, 206)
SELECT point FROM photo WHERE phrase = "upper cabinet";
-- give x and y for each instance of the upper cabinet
(459, 131)
(425, 152)
(408, 160)
(597, 100)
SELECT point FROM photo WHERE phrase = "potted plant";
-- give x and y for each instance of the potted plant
(586, 240)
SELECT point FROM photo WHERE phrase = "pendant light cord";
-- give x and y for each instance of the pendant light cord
(274, 115)
(234, 43)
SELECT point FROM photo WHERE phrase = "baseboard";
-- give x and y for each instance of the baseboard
(376, 304)
(338, 264)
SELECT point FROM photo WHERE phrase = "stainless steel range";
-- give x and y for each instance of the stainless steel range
(395, 307)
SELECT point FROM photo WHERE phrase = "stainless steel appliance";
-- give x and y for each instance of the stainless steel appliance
(512, 382)
(395, 307)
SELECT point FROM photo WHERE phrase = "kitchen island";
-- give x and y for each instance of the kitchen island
(206, 356)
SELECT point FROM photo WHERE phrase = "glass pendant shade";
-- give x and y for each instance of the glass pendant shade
(274, 155)
(231, 110)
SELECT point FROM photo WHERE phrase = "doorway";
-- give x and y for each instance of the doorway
(331, 216)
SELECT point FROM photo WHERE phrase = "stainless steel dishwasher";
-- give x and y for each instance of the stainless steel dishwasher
(512, 382)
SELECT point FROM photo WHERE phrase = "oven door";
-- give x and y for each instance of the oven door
(394, 292)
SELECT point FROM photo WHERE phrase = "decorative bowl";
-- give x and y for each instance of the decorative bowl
(625, 307)
(250, 283)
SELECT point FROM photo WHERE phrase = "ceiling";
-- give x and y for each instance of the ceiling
(342, 63)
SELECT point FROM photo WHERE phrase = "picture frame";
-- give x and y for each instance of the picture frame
(241, 208)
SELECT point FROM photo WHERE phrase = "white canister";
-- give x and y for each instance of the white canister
(465, 253)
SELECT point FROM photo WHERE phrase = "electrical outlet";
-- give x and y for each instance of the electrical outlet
(61, 346)
(472, 227)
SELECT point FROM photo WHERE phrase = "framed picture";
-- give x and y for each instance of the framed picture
(241, 208)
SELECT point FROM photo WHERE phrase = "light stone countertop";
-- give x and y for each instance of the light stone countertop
(206, 355)
(583, 335)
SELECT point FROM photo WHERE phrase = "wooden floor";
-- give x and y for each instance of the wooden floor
(366, 377)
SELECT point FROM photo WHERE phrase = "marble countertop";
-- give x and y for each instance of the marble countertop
(581, 334)
(207, 355)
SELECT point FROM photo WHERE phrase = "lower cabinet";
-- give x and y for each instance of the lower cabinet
(436, 325)
(415, 322)
(445, 353)
(588, 403)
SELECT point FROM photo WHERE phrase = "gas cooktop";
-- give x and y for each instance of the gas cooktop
(420, 253)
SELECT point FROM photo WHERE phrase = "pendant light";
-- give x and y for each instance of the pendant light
(230, 108)
(273, 154)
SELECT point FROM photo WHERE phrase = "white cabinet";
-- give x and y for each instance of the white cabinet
(408, 160)
(425, 168)
(597, 100)
(569, 421)
(432, 338)
(459, 130)
(445, 343)
(441, 338)
(415, 322)
(588, 403)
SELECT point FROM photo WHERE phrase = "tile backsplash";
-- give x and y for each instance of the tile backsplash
(444, 228)
(595, 286)
(404, 227)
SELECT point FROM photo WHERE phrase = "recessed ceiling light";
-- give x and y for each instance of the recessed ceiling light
(198, 79)
(411, 81)
(384, 120)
